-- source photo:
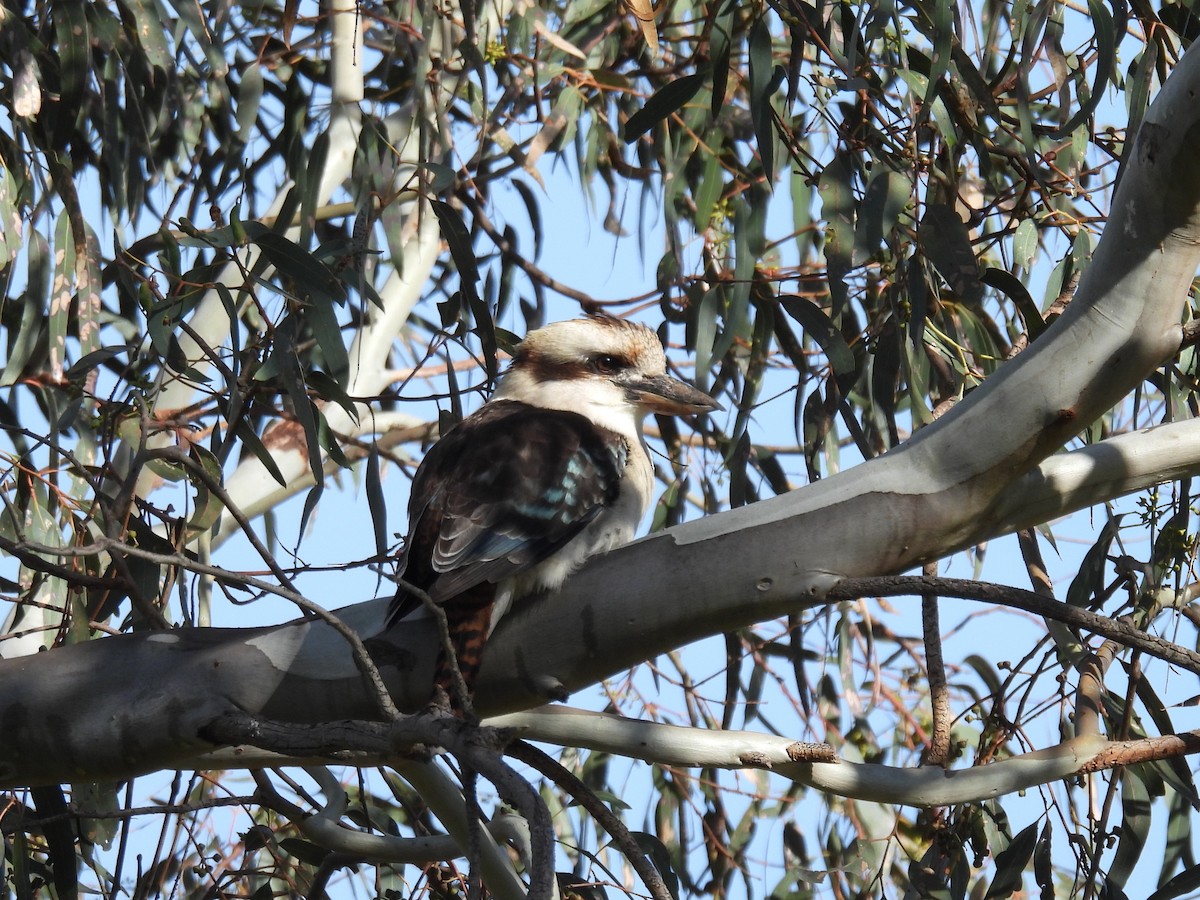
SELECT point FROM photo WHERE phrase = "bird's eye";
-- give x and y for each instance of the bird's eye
(607, 364)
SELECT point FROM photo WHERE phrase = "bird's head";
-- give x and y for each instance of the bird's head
(611, 370)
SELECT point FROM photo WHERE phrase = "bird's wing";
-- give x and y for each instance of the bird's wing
(502, 492)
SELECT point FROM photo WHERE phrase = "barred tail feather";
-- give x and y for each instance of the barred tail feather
(469, 617)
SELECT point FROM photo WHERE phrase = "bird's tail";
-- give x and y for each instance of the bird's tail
(469, 618)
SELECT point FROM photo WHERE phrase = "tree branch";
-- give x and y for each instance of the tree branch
(1015, 598)
(604, 816)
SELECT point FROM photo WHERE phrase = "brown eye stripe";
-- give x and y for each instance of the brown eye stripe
(543, 369)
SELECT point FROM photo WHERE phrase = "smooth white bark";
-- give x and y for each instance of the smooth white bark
(676, 745)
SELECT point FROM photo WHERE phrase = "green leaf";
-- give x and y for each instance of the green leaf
(1089, 581)
(11, 227)
(818, 326)
(533, 210)
(26, 86)
(711, 183)
(443, 176)
(310, 277)
(80, 368)
(763, 83)
(319, 315)
(885, 370)
(1138, 85)
(89, 282)
(254, 443)
(1025, 243)
(284, 354)
(61, 293)
(250, 91)
(1186, 882)
(917, 371)
(720, 51)
(941, 32)
(329, 389)
(666, 101)
(927, 873)
(837, 208)
(749, 221)
(25, 341)
(1102, 25)
(887, 195)
(454, 230)
(207, 507)
(945, 241)
(607, 797)
(1136, 798)
(567, 109)
(329, 441)
(1011, 286)
(1011, 863)
(164, 317)
(986, 672)
(660, 857)
(236, 234)
(376, 501)
(706, 334)
(310, 187)
(802, 197)
(304, 851)
(151, 34)
(1043, 866)
(73, 41)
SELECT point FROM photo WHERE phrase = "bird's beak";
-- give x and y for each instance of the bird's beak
(670, 396)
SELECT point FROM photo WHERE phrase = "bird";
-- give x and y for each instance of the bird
(552, 470)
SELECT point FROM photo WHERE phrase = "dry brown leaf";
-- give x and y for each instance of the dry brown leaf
(643, 11)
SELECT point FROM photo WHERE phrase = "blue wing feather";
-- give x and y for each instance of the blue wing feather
(500, 493)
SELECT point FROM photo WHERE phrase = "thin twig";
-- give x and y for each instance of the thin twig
(462, 692)
(177, 455)
(938, 752)
(74, 811)
(1003, 595)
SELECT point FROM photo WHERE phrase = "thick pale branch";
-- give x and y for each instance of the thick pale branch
(808, 763)
(654, 742)
(929, 786)
(932, 786)
(211, 320)
(303, 672)
(1068, 482)
(251, 486)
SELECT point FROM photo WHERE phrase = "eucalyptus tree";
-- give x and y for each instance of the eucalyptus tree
(255, 257)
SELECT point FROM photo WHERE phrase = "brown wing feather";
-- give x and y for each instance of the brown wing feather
(498, 494)
(502, 492)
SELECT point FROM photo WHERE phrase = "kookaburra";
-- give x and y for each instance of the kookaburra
(551, 470)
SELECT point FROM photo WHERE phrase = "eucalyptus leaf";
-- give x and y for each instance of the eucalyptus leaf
(665, 102)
